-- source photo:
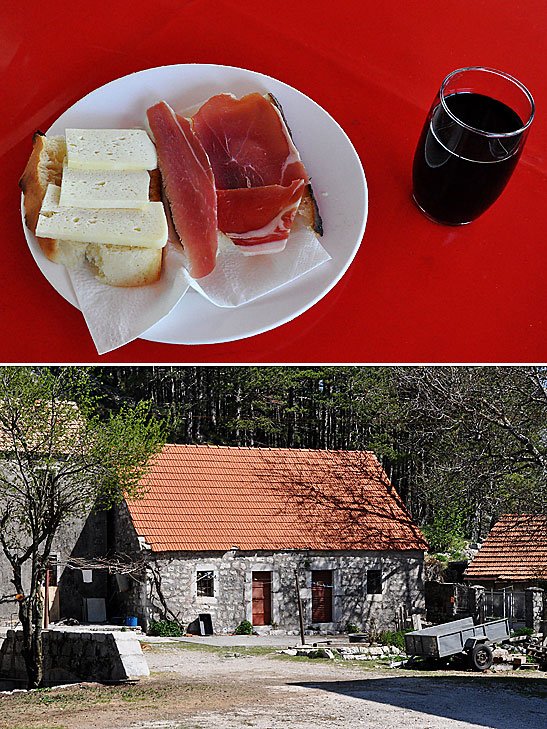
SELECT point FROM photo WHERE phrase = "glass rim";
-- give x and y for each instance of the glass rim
(508, 77)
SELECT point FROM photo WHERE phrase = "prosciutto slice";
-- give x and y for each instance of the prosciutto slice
(259, 176)
(255, 215)
(189, 186)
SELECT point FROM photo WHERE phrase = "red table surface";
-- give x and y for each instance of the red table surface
(416, 291)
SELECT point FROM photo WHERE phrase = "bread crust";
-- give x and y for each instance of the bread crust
(45, 166)
(308, 207)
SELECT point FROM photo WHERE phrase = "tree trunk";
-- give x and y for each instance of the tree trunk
(30, 615)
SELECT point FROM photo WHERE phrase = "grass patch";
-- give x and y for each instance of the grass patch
(85, 696)
(219, 650)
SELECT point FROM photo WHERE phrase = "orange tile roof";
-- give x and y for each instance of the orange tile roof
(515, 549)
(35, 426)
(219, 497)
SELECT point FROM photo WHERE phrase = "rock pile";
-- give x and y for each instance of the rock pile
(345, 652)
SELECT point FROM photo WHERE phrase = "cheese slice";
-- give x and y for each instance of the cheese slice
(145, 227)
(110, 149)
(104, 188)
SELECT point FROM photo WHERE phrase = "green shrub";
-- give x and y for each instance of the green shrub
(166, 628)
(522, 631)
(393, 637)
(352, 628)
(244, 628)
(445, 530)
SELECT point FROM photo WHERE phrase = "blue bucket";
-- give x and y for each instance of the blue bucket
(131, 622)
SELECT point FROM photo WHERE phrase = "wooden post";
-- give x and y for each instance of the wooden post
(301, 617)
(46, 601)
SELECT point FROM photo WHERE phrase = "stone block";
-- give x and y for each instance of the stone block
(501, 655)
(135, 665)
(19, 668)
(5, 664)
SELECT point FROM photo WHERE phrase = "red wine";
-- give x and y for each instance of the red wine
(458, 173)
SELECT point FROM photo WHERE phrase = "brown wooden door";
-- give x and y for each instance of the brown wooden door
(262, 598)
(321, 596)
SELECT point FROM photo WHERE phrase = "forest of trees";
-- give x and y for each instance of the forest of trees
(461, 444)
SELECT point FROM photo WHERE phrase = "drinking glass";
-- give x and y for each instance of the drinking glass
(470, 144)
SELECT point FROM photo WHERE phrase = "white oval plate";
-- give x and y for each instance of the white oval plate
(332, 163)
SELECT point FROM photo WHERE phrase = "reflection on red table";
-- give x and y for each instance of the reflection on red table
(416, 291)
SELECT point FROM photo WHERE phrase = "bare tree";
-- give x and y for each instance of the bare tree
(58, 460)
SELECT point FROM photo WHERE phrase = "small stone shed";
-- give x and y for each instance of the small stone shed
(230, 531)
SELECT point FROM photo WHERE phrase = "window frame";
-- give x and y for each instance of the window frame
(211, 579)
(377, 571)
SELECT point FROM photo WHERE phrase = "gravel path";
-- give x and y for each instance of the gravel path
(226, 687)
(274, 694)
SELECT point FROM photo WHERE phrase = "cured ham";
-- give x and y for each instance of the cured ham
(257, 215)
(189, 185)
(259, 176)
(247, 142)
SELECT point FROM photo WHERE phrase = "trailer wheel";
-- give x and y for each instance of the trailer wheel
(481, 657)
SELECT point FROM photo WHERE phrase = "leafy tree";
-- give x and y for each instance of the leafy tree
(482, 436)
(474, 437)
(59, 460)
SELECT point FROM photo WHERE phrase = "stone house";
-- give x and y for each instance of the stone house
(511, 567)
(513, 554)
(229, 532)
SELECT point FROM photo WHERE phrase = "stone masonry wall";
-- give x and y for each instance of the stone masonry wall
(402, 584)
(85, 537)
(77, 655)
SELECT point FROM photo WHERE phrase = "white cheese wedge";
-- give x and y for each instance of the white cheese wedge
(104, 188)
(110, 149)
(145, 227)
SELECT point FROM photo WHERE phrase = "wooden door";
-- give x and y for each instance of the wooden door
(321, 596)
(262, 598)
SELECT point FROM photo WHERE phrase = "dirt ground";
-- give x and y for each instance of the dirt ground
(234, 688)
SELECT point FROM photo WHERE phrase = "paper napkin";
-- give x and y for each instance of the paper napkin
(116, 316)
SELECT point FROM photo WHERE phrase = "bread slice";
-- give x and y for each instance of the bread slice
(115, 265)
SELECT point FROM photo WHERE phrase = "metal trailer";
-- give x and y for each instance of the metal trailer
(459, 636)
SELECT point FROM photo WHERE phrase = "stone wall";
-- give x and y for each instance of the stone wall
(84, 537)
(71, 656)
(402, 584)
(535, 599)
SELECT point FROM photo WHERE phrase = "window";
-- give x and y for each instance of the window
(321, 596)
(205, 584)
(374, 582)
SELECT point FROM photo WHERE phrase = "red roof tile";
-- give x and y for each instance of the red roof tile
(41, 427)
(515, 549)
(218, 497)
